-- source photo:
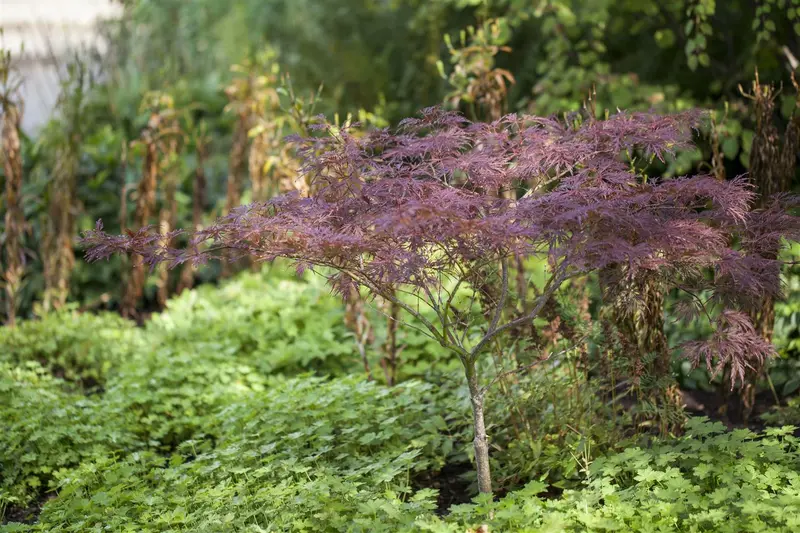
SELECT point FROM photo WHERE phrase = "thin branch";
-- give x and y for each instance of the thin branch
(498, 311)
(469, 310)
(699, 302)
(401, 322)
(416, 314)
(550, 288)
(442, 318)
(523, 368)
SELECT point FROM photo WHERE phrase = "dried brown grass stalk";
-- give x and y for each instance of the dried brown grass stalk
(198, 201)
(13, 254)
(257, 165)
(58, 255)
(391, 350)
(772, 167)
(143, 212)
(161, 141)
(236, 163)
(170, 169)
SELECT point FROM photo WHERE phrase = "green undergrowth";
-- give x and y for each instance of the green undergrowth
(272, 321)
(711, 480)
(784, 414)
(159, 387)
(281, 323)
(46, 431)
(244, 408)
(81, 348)
(306, 455)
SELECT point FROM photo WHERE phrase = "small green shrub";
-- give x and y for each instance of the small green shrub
(79, 347)
(46, 431)
(174, 392)
(551, 424)
(272, 321)
(788, 414)
(785, 370)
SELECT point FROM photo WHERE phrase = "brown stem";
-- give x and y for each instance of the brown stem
(362, 350)
(236, 164)
(145, 205)
(168, 220)
(356, 320)
(15, 217)
(522, 283)
(198, 201)
(57, 254)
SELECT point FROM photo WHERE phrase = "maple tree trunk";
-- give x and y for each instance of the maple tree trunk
(15, 218)
(481, 441)
(389, 361)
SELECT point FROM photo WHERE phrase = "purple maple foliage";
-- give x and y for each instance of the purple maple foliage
(441, 204)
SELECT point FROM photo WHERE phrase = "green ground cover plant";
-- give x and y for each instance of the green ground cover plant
(47, 430)
(272, 320)
(710, 480)
(189, 437)
(82, 348)
(306, 455)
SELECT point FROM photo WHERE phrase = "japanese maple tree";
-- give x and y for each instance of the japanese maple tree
(418, 216)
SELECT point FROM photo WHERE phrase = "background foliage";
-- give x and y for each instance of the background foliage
(389, 58)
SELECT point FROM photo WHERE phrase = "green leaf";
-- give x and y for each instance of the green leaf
(440, 69)
(730, 147)
(747, 140)
(791, 386)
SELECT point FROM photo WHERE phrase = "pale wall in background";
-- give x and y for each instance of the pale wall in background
(49, 30)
